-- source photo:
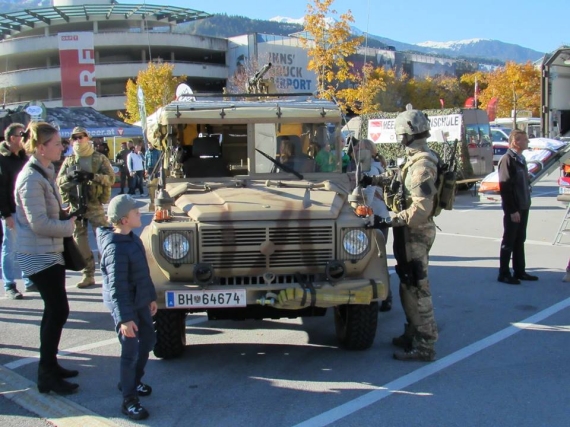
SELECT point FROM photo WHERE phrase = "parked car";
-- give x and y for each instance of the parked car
(500, 137)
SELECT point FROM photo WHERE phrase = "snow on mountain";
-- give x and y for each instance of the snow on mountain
(285, 20)
(451, 45)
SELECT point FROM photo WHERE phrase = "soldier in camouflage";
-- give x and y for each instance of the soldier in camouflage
(91, 171)
(412, 208)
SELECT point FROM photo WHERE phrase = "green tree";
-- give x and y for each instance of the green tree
(159, 86)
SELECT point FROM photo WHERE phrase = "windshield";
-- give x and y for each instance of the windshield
(304, 148)
(478, 134)
(500, 135)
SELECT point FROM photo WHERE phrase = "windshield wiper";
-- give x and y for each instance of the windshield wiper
(280, 165)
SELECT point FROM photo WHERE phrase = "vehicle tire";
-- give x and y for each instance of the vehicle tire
(356, 325)
(170, 327)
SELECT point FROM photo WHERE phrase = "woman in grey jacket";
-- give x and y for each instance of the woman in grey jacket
(40, 248)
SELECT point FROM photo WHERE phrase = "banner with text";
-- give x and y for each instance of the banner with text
(382, 131)
(77, 64)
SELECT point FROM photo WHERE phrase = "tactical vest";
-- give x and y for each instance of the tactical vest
(96, 192)
(445, 186)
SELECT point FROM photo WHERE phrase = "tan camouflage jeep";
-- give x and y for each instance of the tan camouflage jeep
(254, 220)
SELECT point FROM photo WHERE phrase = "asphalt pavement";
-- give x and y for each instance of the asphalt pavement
(501, 355)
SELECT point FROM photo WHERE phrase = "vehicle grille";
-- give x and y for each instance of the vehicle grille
(242, 248)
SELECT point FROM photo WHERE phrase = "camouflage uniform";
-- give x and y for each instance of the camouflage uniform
(414, 234)
(99, 193)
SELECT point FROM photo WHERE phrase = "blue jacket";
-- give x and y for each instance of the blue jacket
(127, 285)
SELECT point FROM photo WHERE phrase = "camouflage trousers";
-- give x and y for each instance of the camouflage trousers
(411, 250)
(96, 217)
(152, 186)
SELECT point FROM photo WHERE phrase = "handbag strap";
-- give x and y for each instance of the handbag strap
(42, 173)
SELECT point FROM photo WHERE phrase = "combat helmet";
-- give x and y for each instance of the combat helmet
(411, 125)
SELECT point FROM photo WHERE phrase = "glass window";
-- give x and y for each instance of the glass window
(304, 148)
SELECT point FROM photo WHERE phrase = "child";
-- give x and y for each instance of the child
(129, 294)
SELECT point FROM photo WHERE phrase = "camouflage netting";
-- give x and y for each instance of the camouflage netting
(394, 151)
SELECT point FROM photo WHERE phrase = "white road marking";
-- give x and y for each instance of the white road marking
(74, 350)
(397, 385)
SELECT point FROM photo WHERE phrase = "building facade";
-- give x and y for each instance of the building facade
(82, 52)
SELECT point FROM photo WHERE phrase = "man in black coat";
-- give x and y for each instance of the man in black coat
(121, 158)
(514, 185)
(12, 160)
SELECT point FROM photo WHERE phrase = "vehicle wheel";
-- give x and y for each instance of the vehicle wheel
(170, 327)
(356, 325)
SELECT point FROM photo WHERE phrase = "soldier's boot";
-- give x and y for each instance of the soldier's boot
(86, 282)
(416, 354)
(405, 340)
(386, 305)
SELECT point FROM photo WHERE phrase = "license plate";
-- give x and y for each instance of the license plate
(206, 299)
(563, 190)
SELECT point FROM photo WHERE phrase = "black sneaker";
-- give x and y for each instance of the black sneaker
(13, 293)
(143, 390)
(133, 409)
(510, 280)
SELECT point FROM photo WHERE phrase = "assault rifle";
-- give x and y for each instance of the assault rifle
(78, 190)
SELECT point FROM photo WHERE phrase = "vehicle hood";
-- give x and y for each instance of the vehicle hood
(261, 203)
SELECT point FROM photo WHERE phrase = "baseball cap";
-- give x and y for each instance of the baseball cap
(121, 205)
(79, 129)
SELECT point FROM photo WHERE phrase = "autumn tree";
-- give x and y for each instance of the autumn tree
(362, 98)
(329, 43)
(516, 86)
(159, 87)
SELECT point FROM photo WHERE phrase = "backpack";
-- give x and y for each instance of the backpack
(445, 182)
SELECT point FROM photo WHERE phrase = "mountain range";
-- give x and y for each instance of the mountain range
(220, 25)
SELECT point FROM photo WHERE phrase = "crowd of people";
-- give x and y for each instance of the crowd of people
(42, 207)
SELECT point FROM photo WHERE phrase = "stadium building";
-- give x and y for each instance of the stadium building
(80, 53)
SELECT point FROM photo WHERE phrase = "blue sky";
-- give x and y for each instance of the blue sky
(539, 25)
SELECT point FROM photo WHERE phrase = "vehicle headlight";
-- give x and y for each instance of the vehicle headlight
(355, 242)
(176, 246)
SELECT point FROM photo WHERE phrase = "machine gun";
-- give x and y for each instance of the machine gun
(258, 85)
(77, 189)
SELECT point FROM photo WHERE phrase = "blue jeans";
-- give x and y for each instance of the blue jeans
(10, 267)
(134, 352)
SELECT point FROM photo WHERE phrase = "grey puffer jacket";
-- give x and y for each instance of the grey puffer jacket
(38, 226)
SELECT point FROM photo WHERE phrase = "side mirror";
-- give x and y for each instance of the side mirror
(504, 139)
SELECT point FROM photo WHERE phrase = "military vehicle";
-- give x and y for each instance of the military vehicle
(249, 226)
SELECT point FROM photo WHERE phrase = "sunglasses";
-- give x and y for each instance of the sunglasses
(76, 137)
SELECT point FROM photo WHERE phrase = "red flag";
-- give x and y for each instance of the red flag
(492, 109)
(441, 102)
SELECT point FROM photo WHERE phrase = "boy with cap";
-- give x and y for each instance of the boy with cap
(128, 292)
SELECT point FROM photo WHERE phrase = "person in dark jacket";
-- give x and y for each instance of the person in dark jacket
(12, 159)
(514, 186)
(121, 159)
(128, 292)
